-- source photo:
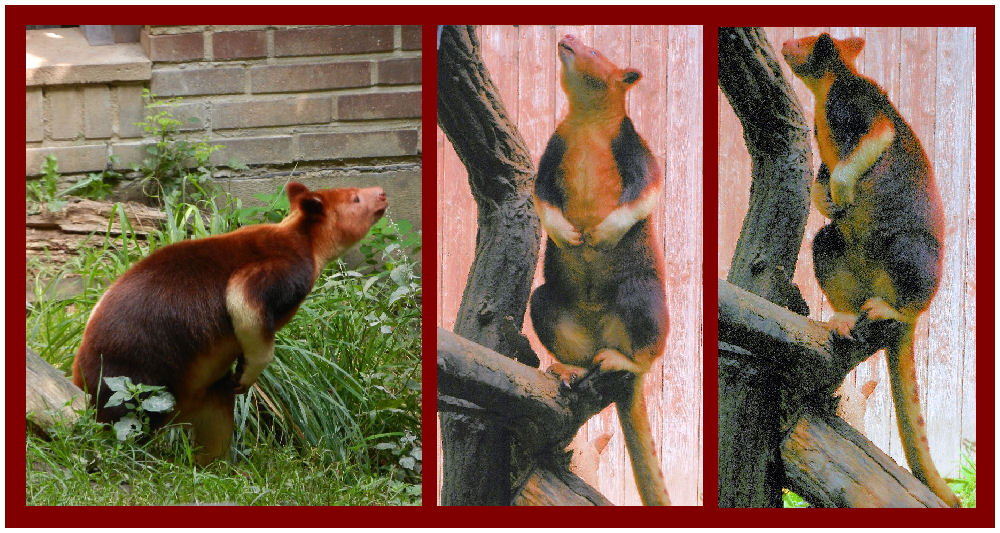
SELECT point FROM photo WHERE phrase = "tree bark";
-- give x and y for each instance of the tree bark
(785, 366)
(544, 415)
(477, 454)
(545, 487)
(777, 138)
(830, 464)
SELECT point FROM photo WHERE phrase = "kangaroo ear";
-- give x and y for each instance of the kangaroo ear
(631, 76)
(295, 189)
(312, 204)
(300, 197)
(850, 48)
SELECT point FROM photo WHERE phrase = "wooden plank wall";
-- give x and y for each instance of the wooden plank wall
(929, 74)
(666, 107)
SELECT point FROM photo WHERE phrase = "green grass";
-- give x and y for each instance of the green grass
(965, 485)
(83, 464)
(335, 418)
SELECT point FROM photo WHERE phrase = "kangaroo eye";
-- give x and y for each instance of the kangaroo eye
(593, 53)
(357, 199)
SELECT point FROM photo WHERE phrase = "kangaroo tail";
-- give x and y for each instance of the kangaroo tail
(641, 450)
(912, 430)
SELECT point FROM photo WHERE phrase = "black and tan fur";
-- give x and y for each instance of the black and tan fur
(603, 302)
(881, 254)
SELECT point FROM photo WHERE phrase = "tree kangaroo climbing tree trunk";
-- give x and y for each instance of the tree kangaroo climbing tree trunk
(476, 453)
(777, 137)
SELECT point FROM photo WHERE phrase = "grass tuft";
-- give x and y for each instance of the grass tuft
(334, 419)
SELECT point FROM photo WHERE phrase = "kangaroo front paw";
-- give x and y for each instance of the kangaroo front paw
(610, 360)
(879, 309)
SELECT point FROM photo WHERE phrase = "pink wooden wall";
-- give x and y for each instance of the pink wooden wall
(929, 74)
(666, 107)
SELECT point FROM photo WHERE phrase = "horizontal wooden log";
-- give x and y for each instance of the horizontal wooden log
(475, 380)
(49, 395)
(830, 464)
(801, 351)
(557, 486)
(825, 460)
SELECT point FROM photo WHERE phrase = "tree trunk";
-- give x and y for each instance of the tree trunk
(476, 455)
(777, 138)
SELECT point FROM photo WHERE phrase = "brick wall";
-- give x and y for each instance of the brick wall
(334, 101)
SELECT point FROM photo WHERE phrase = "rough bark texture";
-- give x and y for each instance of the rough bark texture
(800, 352)
(477, 455)
(748, 458)
(544, 415)
(777, 138)
(49, 396)
(830, 464)
(545, 487)
(58, 236)
(785, 366)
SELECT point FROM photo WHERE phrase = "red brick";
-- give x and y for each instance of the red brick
(412, 36)
(372, 106)
(190, 81)
(272, 112)
(399, 71)
(310, 77)
(332, 40)
(178, 47)
(253, 150)
(239, 44)
(357, 145)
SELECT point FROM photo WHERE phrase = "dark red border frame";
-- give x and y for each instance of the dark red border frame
(711, 18)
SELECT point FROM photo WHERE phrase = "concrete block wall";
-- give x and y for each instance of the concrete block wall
(344, 100)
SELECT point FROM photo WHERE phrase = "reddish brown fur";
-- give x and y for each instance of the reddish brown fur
(602, 303)
(168, 320)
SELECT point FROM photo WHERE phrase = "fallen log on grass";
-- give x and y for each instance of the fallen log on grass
(49, 395)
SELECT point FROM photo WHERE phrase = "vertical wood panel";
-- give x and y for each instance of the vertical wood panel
(683, 241)
(969, 361)
(666, 108)
(929, 74)
(951, 139)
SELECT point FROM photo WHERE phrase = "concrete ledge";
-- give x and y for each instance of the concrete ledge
(63, 56)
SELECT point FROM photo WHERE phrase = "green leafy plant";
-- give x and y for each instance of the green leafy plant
(139, 400)
(42, 193)
(407, 449)
(96, 185)
(175, 168)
